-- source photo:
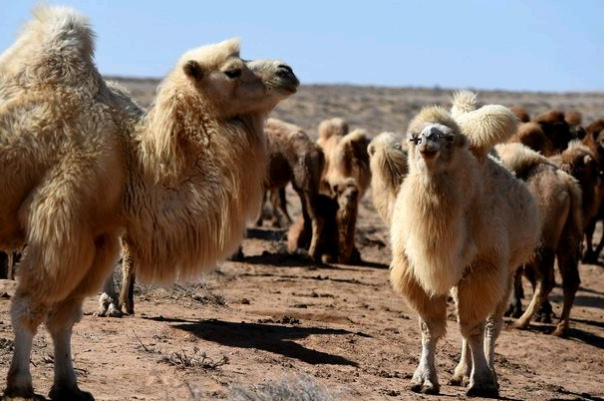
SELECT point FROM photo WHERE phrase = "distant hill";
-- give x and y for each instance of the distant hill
(380, 109)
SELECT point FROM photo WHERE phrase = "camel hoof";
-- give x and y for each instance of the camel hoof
(483, 390)
(520, 325)
(459, 380)
(560, 332)
(109, 312)
(426, 387)
(69, 394)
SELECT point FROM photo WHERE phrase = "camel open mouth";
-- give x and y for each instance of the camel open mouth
(429, 154)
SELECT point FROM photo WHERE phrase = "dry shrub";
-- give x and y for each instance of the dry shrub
(297, 388)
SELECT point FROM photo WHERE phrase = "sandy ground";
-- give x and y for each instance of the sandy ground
(273, 316)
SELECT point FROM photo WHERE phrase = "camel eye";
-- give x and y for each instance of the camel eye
(414, 139)
(233, 73)
(448, 137)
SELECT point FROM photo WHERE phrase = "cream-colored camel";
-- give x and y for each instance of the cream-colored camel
(388, 162)
(81, 164)
(461, 223)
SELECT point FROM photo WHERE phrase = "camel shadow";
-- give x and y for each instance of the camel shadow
(273, 338)
(574, 334)
(372, 265)
(266, 234)
(582, 300)
(282, 259)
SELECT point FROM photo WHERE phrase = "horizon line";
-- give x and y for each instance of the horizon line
(382, 86)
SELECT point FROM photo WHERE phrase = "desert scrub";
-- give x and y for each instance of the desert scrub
(297, 388)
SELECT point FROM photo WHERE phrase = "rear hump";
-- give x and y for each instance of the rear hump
(55, 47)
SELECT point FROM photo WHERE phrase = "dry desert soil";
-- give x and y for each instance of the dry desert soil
(275, 316)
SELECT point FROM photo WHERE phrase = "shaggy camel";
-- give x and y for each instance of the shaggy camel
(168, 179)
(347, 158)
(556, 129)
(443, 237)
(558, 197)
(338, 214)
(388, 163)
(293, 157)
(531, 134)
(594, 140)
(548, 133)
(299, 237)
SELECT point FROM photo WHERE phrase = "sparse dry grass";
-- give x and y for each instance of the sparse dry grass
(195, 359)
(297, 388)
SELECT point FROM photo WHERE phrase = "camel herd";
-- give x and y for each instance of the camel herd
(475, 197)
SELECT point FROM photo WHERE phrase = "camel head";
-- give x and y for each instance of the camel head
(433, 137)
(346, 192)
(388, 158)
(235, 87)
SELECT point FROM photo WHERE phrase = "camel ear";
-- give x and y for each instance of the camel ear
(371, 149)
(193, 70)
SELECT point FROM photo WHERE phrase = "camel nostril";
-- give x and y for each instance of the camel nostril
(286, 68)
(285, 71)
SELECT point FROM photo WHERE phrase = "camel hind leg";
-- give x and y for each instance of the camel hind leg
(544, 271)
(568, 264)
(590, 256)
(109, 303)
(128, 278)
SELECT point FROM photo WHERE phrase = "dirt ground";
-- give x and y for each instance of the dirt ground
(275, 315)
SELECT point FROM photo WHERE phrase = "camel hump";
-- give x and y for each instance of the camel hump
(486, 126)
(55, 46)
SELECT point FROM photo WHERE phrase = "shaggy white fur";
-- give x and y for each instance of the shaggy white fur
(83, 165)
(461, 223)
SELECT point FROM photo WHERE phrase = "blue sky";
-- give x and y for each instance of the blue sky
(554, 45)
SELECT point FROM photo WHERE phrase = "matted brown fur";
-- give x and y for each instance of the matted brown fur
(573, 118)
(167, 178)
(521, 113)
(388, 163)
(556, 129)
(531, 134)
(594, 139)
(582, 163)
(443, 239)
(558, 197)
